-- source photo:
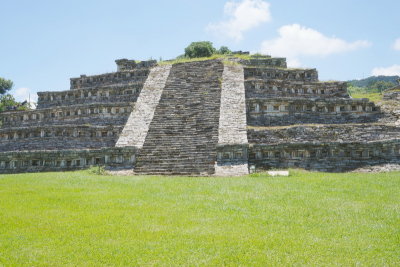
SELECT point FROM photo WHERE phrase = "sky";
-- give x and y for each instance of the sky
(45, 43)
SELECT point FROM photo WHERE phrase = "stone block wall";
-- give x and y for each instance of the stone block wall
(266, 62)
(232, 133)
(259, 88)
(392, 95)
(96, 95)
(128, 65)
(310, 75)
(323, 133)
(331, 157)
(66, 160)
(96, 114)
(126, 77)
(343, 133)
(289, 111)
(58, 137)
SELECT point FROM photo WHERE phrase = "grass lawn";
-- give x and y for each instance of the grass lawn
(374, 97)
(79, 218)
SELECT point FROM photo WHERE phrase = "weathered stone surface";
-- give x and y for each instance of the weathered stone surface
(58, 137)
(64, 160)
(345, 133)
(232, 121)
(266, 73)
(126, 76)
(272, 88)
(392, 94)
(129, 65)
(135, 130)
(231, 169)
(291, 111)
(96, 95)
(90, 114)
(191, 119)
(324, 156)
(379, 168)
(278, 173)
(183, 134)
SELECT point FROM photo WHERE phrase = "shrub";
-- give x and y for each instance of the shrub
(224, 50)
(200, 49)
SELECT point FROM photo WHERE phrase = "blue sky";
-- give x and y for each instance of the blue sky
(44, 43)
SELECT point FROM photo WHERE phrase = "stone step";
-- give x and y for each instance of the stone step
(135, 130)
(183, 135)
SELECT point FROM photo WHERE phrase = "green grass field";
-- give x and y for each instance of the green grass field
(374, 97)
(79, 218)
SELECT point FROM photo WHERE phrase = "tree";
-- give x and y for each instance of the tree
(7, 102)
(224, 50)
(5, 85)
(200, 49)
(381, 85)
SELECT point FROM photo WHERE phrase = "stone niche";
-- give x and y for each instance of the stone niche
(232, 154)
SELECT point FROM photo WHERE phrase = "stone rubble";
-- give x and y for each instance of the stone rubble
(379, 168)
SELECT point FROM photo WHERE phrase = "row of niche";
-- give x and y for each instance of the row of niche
(392, 150)
(274, 88)
(281, 74)
(85, 94)
(77, 162)
(255, 107)
(139, 73)
(28, 134)
(66, 113)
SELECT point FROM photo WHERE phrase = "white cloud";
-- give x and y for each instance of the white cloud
(241, 17)
(388, 71)
(293, 63)
(396, 45)
(297, 41)
(24, 94)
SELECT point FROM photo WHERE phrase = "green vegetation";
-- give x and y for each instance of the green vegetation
(373, 79)
(185, 60)
(7, 101)
(5, 85)
(215, 56)
(361, 92)
(204, 50)
(319, 219)
(224, 50)
(371, 87)
(200, 49)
